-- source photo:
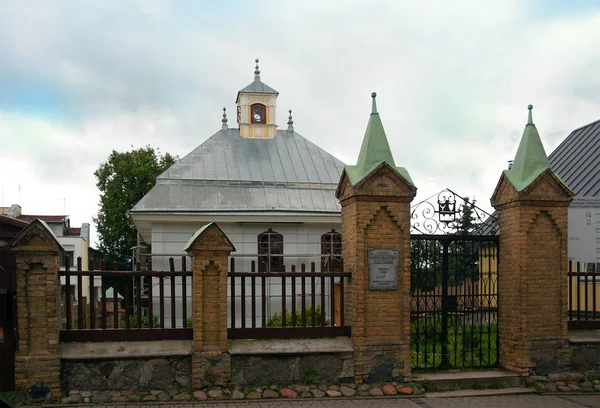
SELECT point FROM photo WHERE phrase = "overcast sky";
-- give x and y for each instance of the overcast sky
(454, 78)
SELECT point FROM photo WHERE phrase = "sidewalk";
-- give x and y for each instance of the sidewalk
(505, 401)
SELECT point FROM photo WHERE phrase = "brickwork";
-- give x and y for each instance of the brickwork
(211, 363)
(376, 214)
(37, 366)
(532, 316)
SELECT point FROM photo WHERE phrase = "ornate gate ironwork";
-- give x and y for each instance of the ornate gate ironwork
(454, 297)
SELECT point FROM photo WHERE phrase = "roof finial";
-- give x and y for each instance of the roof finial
(530, 118)
(224, 120)
(256, 71)
(290, 123)
(374, 109)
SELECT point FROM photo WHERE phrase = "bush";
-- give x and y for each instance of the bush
(145, 321)
(275, 320)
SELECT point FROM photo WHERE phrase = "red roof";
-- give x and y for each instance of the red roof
(74, 231)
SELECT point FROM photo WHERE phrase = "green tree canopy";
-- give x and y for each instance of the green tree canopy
(123, 180)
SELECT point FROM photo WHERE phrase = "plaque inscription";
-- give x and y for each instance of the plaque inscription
(383, 269)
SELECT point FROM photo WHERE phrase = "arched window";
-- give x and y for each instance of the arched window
(258, 113)
(270, 251)
(331, 251)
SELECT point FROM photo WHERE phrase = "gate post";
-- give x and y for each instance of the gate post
(209, 249)
(375, 196)
(532, 203)
(37, 367)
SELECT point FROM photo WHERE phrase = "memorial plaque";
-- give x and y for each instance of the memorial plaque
(383, 269)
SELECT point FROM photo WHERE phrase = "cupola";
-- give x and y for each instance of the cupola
(256, 109)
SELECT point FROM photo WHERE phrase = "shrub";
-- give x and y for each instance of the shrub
(145, 321)
(275, 320)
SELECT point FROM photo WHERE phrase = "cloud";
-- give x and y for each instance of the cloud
(453, 81)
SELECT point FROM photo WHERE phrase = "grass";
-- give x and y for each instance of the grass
(469, 345)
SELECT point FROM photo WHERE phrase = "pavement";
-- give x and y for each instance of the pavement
(503, 401)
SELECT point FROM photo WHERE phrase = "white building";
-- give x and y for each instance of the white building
(270, 190)
(577, 162)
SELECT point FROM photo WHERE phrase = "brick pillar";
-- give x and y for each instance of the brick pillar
(376, 215)
(532, 281)
(209, 249)
(37, 366)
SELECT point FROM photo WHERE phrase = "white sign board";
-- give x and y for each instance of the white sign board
(584, 230)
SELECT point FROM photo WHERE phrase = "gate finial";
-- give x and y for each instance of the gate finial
(530, 118)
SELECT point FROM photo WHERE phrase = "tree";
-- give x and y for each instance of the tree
(123, 180)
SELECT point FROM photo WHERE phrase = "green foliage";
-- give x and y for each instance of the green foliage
(276, 321)
(469, 345)
(10, 396)
(123, 180)
(133, 322)
(310, 376)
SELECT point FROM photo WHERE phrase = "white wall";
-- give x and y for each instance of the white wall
(299, 240)
(584, 230)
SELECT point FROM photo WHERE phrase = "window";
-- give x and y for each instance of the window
(331, 251)
(63, 258)
(258, 113)
(270, 252)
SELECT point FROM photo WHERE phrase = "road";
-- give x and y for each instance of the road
(506, 401)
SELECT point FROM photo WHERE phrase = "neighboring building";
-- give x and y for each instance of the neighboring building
(9, 228)
(577, 162)
(74, 240)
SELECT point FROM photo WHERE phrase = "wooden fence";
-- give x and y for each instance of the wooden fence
(136, 310)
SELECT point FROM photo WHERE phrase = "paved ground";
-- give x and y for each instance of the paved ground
(508, 401)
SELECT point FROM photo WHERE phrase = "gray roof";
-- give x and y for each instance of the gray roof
(257, 86)
(228, 173)
(577, 160)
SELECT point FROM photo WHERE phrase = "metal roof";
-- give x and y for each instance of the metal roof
(228, 173)
(577, 160)
(257, 86)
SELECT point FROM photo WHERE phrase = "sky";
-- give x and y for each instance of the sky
(453, 79)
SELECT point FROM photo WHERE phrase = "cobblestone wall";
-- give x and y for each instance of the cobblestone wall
(166, 374)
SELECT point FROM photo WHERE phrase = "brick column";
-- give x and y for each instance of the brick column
(37, 366)
(209, 249)
(532, 281)
(376, 215)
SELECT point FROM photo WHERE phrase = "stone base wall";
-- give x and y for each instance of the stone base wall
(211, 368)
(262, 369)
(585, 357)
(381, 364)
(166, 374)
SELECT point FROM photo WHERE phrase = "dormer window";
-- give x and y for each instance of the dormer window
(258, 113)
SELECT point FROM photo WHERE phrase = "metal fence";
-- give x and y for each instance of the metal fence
(299, 303)
(112, 305)
(584, 302)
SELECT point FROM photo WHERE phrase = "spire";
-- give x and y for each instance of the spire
(224, 120)
(531, 159)
(256, 71)
(374, 151)
(257, 86)
(290, 123)
(374, 104)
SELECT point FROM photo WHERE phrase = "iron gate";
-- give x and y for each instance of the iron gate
(7, 330)
(454, 297)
